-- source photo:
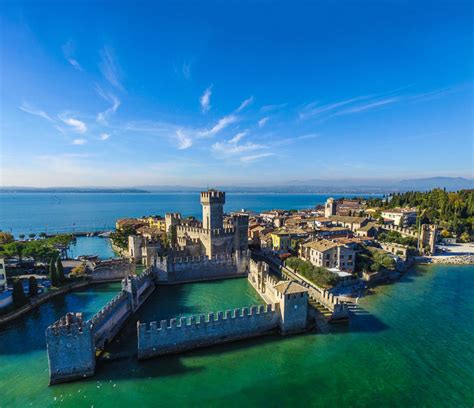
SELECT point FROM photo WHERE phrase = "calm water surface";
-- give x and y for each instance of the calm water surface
(411, 344)
(24, 213)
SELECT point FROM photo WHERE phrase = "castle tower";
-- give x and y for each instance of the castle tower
(293, 306)
(330, 208)
(212, 202)
(71, 350)
(241, 225)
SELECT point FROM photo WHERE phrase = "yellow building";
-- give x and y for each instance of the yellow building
(281, 241)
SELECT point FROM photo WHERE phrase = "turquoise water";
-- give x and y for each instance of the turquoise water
(91, 246)
(67, 212)
(411, 344)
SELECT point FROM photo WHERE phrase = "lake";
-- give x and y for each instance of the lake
(25, 213)
(410, 344)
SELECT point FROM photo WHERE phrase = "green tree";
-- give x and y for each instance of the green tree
(32, 286)
(32, 235)
(172, 235)
(21, 236)
(60, 270)
(465, 237)
(53, 275)
(19, 297)
(5, 237)
(13, 249)
(42, 235)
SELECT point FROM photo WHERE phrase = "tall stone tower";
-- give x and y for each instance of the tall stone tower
(330, 208)
(212, 202)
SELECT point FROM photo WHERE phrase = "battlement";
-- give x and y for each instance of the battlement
(212, 196)
(71, 324)
(108, 309)
(199, 331)
(402, 230)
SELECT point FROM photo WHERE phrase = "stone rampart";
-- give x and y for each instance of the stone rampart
(402, 230)
(111, 270)
(185, 334)
(198, 268)
(72, 342)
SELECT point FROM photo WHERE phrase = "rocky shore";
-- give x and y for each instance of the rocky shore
(446, 260)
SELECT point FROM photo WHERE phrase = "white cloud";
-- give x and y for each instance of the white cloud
(312, 110)
(68, 51)
(110, 68)
(184, 141)
(221, 124)
(104, 136)
(254, 157)
(102, 117)
(79, 142)
(229, 148)
(238, 137)
(244, 104)
(262, 121)
(368, 106)
(205, 100)
(76, 125)
(34, 111)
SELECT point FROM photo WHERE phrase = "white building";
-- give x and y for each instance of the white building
(402, 217)
(328, 254)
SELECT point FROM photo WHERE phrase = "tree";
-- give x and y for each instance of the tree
(19, 297)
(42, 235)
(21, 236)
(13, 249)
(60, 270)
(78, 271)
(465, 237)
(32, 235)
(53, 276)
(5, 237)
(32, 286)
(172, 235)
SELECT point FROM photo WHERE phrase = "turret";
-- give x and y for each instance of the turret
(212, 209)
(330, 208)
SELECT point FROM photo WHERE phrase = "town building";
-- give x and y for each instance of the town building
(328, 254)
(3, 275)
(401, 217)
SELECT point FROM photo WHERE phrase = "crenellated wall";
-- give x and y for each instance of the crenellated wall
(198, 268)
(72, 342)
(200, 331)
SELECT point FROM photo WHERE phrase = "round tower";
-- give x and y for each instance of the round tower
(212, 202)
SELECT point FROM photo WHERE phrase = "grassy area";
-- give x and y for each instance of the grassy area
(373, 259)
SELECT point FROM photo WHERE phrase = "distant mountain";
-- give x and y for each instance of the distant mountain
(449, 183)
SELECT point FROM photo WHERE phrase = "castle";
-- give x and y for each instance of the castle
(214, 248)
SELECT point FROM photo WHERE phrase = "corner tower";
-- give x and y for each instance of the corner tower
(212, 202)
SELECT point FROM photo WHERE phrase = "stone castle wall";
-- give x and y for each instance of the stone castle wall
(195, 332)
(72, 342)
(113, 269)
(198, 268)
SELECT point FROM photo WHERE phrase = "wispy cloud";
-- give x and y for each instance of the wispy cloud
(271, 108)
(110, 68)
(244, 104)
(102, 117)
(104, 136)
(220, 125)
(76, 125)
(68, 51)
(262, 121)
(255, 157)
(229, 148)
(313, 109)
(238, 137)
(79, 142)
(186, 71)
(205, 100)
(368, 106)
(25, 107)
(184, 141)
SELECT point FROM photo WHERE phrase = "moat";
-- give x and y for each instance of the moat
(410, 344)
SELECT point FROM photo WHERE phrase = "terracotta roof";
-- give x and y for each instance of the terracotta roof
(321, 245)
(289, 287)
(348, 219)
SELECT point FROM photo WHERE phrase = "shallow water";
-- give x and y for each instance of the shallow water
(409, 345)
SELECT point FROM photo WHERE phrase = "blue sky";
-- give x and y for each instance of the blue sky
(194, 93)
